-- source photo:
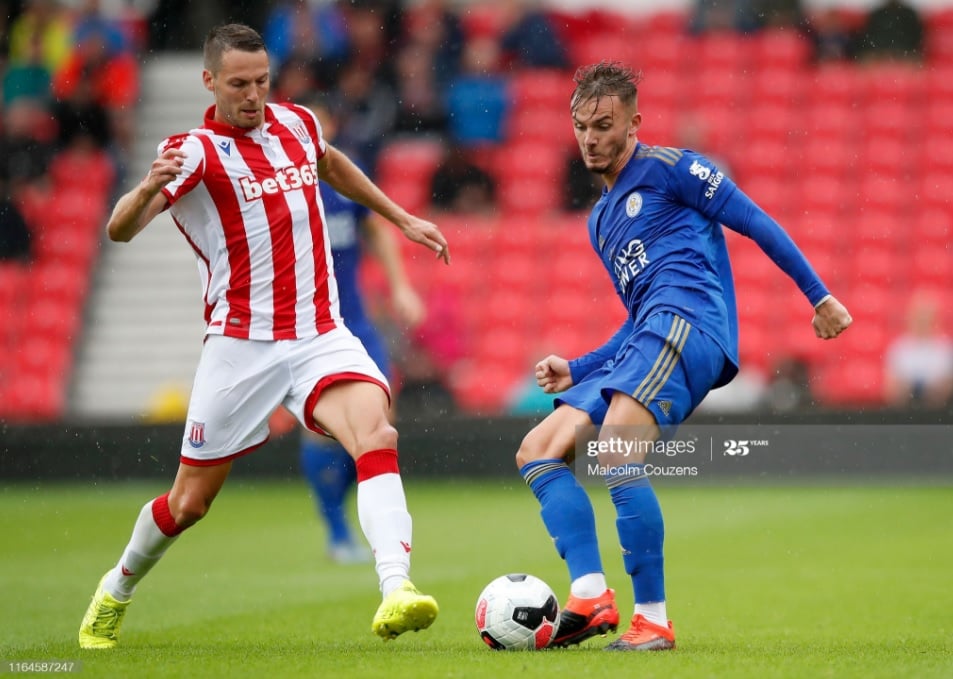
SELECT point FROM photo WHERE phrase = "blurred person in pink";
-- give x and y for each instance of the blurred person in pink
(919, 362)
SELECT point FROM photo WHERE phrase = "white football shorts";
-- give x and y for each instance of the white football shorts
(239, 383)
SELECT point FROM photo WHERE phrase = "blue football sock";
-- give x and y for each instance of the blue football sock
(641, 532)
(567, 514)
(331, 472)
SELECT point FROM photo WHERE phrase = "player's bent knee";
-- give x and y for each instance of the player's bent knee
(189, 508)
(383, 437)
(530, 449)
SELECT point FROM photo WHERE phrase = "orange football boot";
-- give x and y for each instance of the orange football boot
(580, 619)
(643, 635)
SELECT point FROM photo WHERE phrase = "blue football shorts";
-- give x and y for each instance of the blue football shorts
(666, 364)
(370, 337)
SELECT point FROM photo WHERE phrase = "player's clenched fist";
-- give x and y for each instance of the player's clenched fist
(552, 374)
(165, 168)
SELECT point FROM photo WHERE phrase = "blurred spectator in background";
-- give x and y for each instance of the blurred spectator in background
(27, 76)
(432, 27)
(45, 23)
(830, 35)
(425, 358)
(98, 74)
(15, 237)
(368, 109)
(894, 30)
(89, 19)
(744, 394)
(779, 14)
(294, 80)
(420, 107)
(711, 16)
(581, 188)
(25, 149)
(478, 99)
(919, 364)
(460, 185)
(789, 386)
(374, 28)
(305, 32)
(530, 40)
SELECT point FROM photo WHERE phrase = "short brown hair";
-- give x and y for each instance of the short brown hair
(230, 37)
(605, 79)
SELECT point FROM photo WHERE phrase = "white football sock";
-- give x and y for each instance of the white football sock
(146, 546)
(589, 586)
(382, 513)
(653, 612)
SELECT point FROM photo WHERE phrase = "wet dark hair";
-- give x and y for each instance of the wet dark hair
(230, 37)
(605, 79)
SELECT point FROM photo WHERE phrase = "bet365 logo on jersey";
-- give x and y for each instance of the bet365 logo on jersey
(741, 448)
(286, 179)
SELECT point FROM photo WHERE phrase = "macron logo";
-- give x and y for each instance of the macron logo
(286, 179)
(226, 146)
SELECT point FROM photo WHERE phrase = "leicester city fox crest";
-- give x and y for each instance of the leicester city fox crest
(633, 204)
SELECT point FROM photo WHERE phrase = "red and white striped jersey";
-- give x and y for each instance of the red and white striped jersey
(247, 201)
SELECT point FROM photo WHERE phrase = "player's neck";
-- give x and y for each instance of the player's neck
(610, 177)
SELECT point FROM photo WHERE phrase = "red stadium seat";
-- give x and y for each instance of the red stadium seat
(414, 159)
(660, 53)
(778, 86)
(541, 90)
(85, 170)
(939, 84)
(762, 158)
(820, 196)
(851, 382)
(39, 398)
(883, 194)
(933, 227)
(780, 48)
(44, 355)
(933, 192)
(876, 264)
(770, 192)
(825, 120)
(720, 51)
(932, 267)
(835, 85)
(829, 156)
(551, 127)
(773, 121)
(893, 82)
(717, 87)
(896, 120)
(601, 47)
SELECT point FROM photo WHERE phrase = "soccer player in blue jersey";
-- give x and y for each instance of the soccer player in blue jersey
(657, 229)
(326, 465)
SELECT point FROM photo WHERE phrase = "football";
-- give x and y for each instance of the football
(517, 612)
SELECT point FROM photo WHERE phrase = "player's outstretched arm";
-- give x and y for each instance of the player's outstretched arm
(406, 303)
(139, 206)
(349, 180)
(553, 375)
(831, 318)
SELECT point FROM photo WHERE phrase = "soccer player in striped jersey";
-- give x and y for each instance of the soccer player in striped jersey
(243, 190)
(657, 230)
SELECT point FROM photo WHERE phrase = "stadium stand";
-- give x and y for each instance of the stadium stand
(855, 160)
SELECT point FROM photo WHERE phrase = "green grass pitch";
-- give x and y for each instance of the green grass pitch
(779, 581)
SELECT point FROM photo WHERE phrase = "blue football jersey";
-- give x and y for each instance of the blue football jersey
(344, 218)
(659, 235)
